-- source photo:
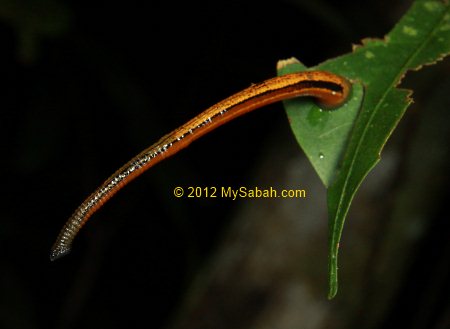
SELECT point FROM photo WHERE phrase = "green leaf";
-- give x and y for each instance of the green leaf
(421, 37)
(322, 134)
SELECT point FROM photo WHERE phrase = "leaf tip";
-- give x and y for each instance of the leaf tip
(332, 292)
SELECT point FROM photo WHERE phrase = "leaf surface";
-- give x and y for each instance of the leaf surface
(421, 37)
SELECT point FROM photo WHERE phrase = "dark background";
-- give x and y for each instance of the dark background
(87, 86)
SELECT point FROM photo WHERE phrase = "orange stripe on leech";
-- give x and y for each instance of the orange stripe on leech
(311, 83)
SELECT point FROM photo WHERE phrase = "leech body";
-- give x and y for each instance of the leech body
(330, 91)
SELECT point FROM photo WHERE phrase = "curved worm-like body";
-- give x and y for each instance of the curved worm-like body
(329, 89)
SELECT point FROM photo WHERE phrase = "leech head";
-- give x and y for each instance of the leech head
(337, 97)
(337, 94)
(329, 90)
(59, 251)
